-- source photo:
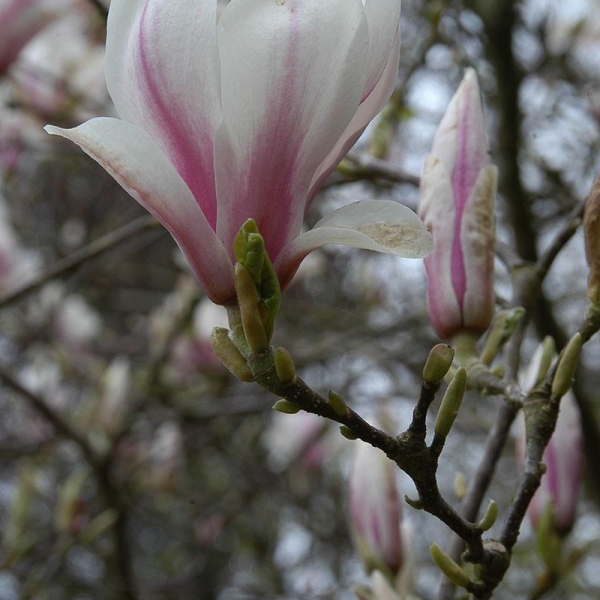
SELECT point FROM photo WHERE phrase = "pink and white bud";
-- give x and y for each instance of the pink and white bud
(563, 457)
(458, 188)
(375, 510)
(245, 117)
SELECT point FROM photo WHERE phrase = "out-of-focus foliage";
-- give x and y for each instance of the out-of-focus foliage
(191, 486)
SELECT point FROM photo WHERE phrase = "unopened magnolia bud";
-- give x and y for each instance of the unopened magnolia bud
(337, 403)
(248, 302)
(449, 568)
(286, 407)
(591, 230)
(438, 363)
(460, 485)
(228, 353)
(565, 371)
(503, 325)
(547, 352)
(284, 366)
(348, 433)
(489, 517)
(450, 404)
(458, 188)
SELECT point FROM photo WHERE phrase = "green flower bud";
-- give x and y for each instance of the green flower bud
(284, 366)
(248, 301)
(348, 433)
(438, 363)
(286, 407)
(250, 252)
(449, 568)
(503, 325)
(337, 403)
(450, 404)
(489, 517)
(547, 354)
(228, 353)
(565, 371)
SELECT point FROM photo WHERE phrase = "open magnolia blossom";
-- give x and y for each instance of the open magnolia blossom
(244, 117)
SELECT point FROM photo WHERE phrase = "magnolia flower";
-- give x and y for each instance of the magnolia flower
(458, 187)
(563, 458)
(20, 20)
(245, 117)
(375, 510)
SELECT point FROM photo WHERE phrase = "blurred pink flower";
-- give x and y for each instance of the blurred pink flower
(64, 80)
(375, 510)
(458, 188)
(20, 20)
(192, 351)
(245, 118)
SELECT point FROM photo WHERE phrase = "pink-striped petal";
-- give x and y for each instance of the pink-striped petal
(436, 208)
(137, 163)
(162, 71)
(292, 79)
(477, 236)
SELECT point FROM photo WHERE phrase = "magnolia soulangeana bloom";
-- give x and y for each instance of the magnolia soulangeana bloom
(245, 117)
(458, 187)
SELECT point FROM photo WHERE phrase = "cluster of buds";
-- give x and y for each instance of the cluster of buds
(458, 187)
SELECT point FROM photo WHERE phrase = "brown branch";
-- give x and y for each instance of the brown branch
(79, 257)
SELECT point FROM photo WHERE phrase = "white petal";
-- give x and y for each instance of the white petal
(383, 17)
(162, 72)
(379, 225)
(292, 79)
(141, 168)
(364, 115)
(460, 140)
